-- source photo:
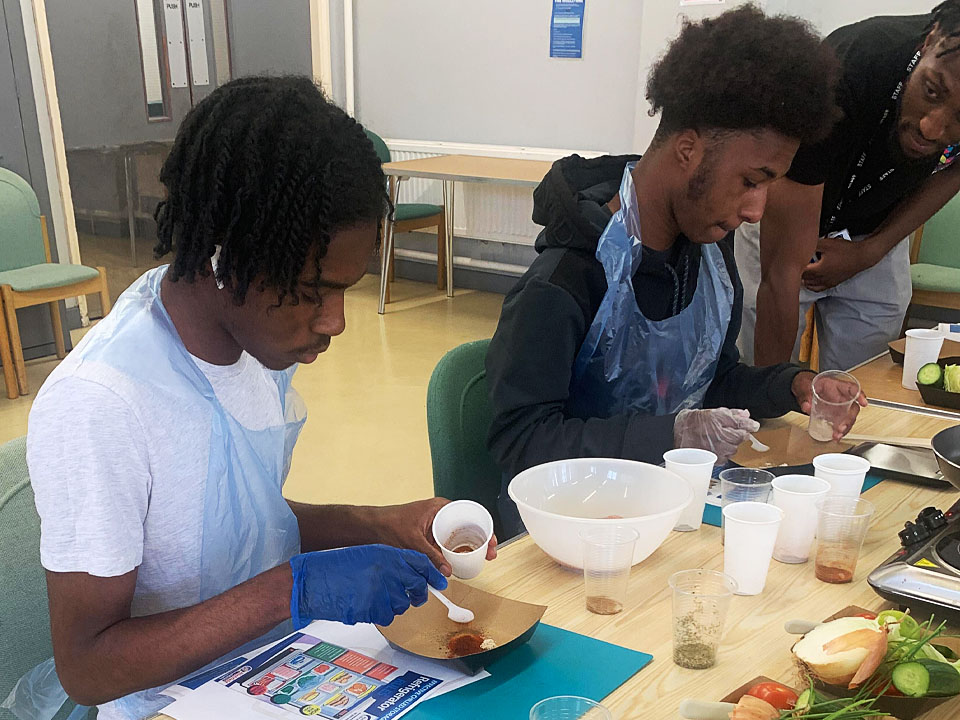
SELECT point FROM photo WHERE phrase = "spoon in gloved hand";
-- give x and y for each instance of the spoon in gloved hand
(454, 612)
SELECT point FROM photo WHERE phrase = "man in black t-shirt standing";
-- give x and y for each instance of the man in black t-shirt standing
(850, 201)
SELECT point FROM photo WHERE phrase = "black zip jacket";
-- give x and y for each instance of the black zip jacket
(546, 316)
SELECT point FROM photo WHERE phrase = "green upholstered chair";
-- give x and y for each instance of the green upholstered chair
(27, 277)
(408, 217)
(458, 418)
(935, 260)
(24, 618)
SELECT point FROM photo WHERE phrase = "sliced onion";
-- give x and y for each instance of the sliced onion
(873, 660)
(753, 708)
(835, 650)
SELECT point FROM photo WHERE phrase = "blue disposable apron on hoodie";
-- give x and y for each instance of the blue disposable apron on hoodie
(628, 363)
(248, 527)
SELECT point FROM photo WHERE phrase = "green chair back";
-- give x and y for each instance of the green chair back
(24, 616)
(458, 419)
(21, 240)
(383, 152)
(940, 244)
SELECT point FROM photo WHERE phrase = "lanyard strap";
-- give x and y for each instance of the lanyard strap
(868, 186)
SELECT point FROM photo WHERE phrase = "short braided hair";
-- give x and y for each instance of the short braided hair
(268, 169)
(946, 20)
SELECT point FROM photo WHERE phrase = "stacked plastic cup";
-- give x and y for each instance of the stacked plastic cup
(743, 485)
(751, 532)
(696, 468)
(797, 496)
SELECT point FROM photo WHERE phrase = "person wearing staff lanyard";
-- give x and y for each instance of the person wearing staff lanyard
(158, 448)
(620, 340)
(835, 228)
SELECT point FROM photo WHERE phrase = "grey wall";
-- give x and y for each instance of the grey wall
(481, 73)
(828, 16)
(269, 37)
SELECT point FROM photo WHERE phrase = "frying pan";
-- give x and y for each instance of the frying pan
(946, 446)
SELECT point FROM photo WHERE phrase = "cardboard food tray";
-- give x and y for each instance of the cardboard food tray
(897, 347)
(425, 630)
(902, 708)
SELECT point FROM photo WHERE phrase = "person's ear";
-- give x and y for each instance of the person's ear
(688, 147)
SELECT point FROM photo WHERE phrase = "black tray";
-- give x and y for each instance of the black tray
(938, 396)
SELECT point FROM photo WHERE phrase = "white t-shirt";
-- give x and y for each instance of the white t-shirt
(118, 470)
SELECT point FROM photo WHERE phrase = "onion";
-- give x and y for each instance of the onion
(752, 708)
(835, 650)
(873, 660)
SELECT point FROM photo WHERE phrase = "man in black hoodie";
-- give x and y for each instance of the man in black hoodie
(577, 368)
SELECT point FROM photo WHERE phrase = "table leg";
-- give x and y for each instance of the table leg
(448, 187)
(386, 248)
(131, 220)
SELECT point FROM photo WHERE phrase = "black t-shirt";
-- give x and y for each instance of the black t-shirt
(875, 55)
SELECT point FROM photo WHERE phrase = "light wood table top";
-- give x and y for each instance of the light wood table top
(472, 168)
(880, 379)
(754, 642)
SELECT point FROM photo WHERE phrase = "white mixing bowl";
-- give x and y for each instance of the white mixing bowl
(559, 499)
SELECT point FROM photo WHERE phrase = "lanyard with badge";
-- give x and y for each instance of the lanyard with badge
(867, 186)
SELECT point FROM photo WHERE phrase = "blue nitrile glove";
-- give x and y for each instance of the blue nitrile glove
(367, 583)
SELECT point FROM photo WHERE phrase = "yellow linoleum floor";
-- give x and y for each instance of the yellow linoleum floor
(365, 440)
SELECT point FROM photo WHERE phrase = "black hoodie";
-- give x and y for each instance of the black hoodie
(546, 316)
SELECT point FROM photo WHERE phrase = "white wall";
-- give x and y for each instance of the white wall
(829, 15)
(481, 73)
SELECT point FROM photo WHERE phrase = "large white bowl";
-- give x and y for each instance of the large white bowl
(559, 499)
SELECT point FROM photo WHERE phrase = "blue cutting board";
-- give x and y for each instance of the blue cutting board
(553, 662)
(712, 513)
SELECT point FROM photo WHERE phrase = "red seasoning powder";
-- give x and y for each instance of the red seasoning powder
(464, 643)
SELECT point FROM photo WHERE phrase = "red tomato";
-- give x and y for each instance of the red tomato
(780, 696)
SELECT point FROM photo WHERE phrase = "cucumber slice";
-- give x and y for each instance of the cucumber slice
(926, 678)
(930, 374)
(911, 678)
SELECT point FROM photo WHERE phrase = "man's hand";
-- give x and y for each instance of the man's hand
(831, 390)
(410, 526)
(839, 260)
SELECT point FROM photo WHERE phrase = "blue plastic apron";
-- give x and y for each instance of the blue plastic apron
(630, 363)
(248, 527)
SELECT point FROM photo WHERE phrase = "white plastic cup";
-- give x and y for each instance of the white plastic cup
(923, 346)
(751, 532)
(843, 471)
(797, 496)
(463, 520)
(695, 466)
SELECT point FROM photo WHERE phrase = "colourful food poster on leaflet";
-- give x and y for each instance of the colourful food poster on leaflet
(323, 679)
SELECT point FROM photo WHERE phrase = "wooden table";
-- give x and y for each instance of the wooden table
(754, 642)
(880, 379)
(451, 169)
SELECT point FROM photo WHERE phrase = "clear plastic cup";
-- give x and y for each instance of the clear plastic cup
(696, 467)
(834, 393)
(842, 525)
(462, 529)
(700, 602)
(607, 559)
(922, 347)
(569, 707)
(845, 473)
(743, 485)
(751, 531)
(797, 496)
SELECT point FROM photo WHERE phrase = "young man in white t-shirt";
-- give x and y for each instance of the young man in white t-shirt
(165, 538)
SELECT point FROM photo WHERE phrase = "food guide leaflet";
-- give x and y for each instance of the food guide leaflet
(328, 670)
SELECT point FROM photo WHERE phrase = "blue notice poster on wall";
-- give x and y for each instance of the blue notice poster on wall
(566, 29)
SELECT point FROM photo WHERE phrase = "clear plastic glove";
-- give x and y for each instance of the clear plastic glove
(719, 430)
(367, 583)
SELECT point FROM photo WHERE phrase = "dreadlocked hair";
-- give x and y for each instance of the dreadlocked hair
(268, 169)
(946, 21)
(745, 71)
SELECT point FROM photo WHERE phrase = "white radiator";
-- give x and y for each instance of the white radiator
(500, 213)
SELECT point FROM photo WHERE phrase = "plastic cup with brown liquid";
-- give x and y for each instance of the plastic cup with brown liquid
(463, 529)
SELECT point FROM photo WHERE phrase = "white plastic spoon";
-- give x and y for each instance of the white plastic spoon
(454, 612)
(757, 445)
(800, 627)
(702, 710)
